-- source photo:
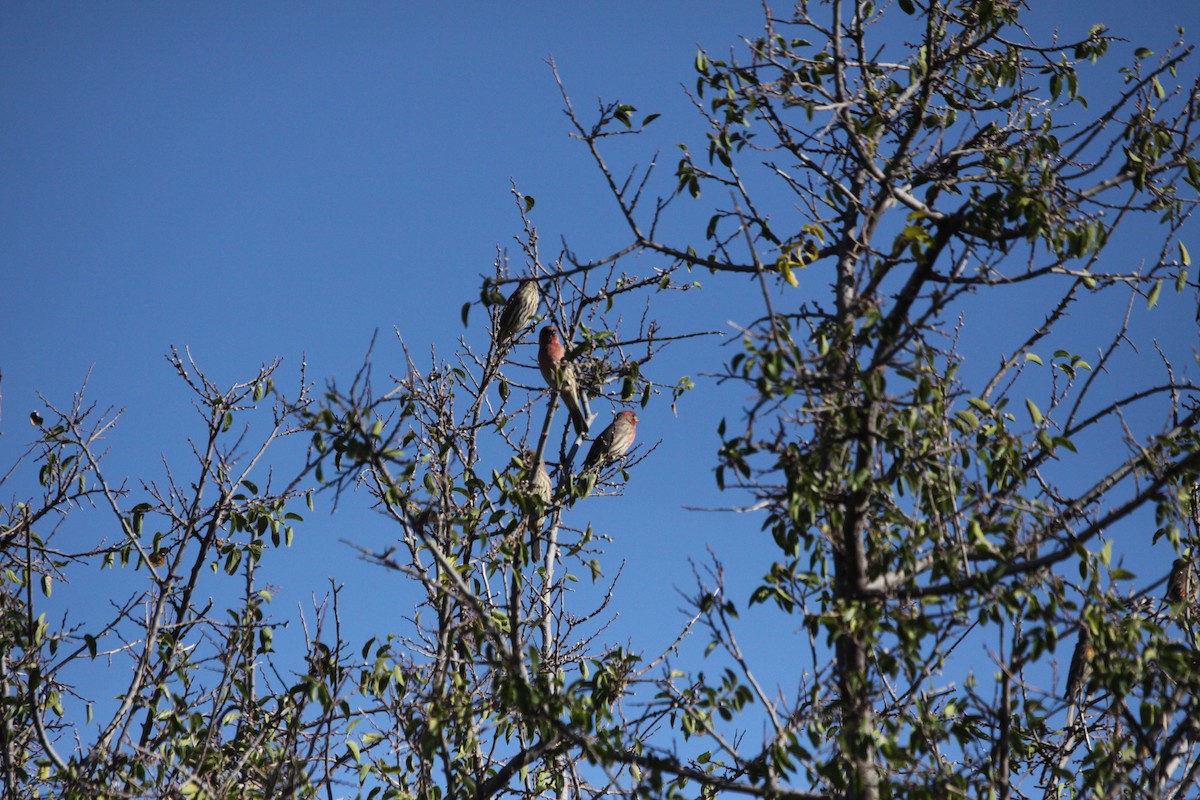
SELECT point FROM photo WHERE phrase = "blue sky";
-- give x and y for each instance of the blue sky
(281, 180)
(265, 180)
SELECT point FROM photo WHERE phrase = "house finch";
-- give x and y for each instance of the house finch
(612, 442)
(519, 309)
(560, 376)
(537, 484)
(1181, 586)
(1081, 664)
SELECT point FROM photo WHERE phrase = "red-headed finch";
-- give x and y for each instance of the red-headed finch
(613, 441)
(1181, 586)
(560, 376)
(519, 309)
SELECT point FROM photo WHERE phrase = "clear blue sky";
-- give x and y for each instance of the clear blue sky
(261, 180)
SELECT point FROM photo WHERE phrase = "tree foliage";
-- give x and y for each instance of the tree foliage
(943, 528)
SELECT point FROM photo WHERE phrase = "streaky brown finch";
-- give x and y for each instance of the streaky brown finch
(560, 375)
(537, 484)
(1181, 585)
(519, 309)
(612, 442)
(1081, 665)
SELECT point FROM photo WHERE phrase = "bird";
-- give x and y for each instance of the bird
(537, 484)
(560, 375)
(35, 419)
(1181, 585)
(1081, 665)
(519, 309)
(613, 441)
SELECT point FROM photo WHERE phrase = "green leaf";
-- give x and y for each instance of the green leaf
(1035, 413)
(1152, 298)
(1034, 357)
(466, 310)
(227, 423)
(785, 270)
(529, 203)
(1062, 441)
(980, 404)
(701, 62)
(47, 585)
(1183, 255)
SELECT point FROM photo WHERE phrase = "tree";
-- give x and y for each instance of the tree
(199, 709)
(918, 505)
(925, 508)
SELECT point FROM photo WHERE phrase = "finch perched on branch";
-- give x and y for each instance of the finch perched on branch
(1081, 665)
(560, 375)
(612, 442)
(1181, 585)
(519, 309)
(537, 484)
